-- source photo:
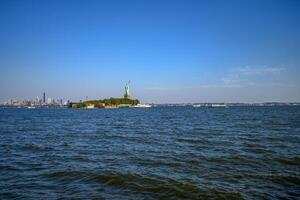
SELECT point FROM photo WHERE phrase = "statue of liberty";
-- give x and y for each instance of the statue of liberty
(127, 94)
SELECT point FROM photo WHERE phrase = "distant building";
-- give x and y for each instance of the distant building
(100, 105)
(49, 101)
(44, 97)
(89, 106)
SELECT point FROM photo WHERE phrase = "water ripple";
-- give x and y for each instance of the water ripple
(159, 153)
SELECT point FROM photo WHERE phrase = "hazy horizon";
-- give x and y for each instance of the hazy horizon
(172, 51)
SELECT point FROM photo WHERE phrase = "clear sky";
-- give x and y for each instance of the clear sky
(172, 51)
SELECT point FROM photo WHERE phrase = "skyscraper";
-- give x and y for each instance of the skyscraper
(44, 97)
(49, 100)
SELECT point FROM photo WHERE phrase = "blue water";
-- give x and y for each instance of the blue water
(156, 153)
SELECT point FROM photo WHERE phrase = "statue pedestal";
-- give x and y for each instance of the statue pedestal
(127, 97)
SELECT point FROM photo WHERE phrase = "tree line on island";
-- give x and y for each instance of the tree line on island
(108, 102)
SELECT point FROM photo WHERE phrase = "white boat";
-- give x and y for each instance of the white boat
(217, 106)
(142, 106)
(196, 105)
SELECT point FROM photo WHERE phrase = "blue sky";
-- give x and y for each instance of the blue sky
(172, 51)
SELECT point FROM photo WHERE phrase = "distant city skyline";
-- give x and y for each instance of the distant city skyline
(172, 51)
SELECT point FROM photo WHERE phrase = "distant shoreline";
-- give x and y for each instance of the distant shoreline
(163, 105)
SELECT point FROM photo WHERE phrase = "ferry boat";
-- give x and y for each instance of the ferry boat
(217, 106)
(142, 106)
(196, 105)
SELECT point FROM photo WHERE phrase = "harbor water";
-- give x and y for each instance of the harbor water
(154, 153)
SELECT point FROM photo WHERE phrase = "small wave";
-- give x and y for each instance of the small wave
(36, 148)
(258, 149)
(215, 159)
(159, 187)
(290, 161)
(7, 168)
(192, 141)
(193, 161)
(67, 174)
(162, 187)
(281, 179)
(155, 163)
(79, 158)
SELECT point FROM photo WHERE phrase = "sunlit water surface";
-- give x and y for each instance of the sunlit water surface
(156, 153)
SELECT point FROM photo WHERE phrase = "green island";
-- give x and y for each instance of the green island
(125, 102)
(106, 103)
